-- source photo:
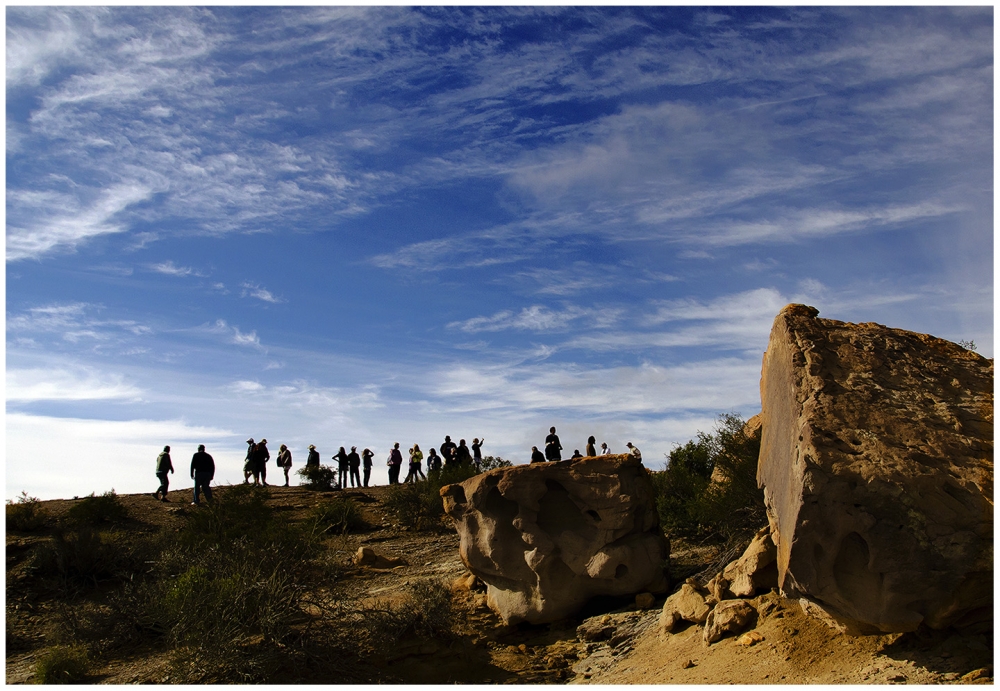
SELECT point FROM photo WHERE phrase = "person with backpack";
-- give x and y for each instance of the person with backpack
(285, 461)
(261, 456)
(366, 459)
(163, 466)
(462, 454)
(353, 464)
(395, 461)
(342, 466)
(249, 463)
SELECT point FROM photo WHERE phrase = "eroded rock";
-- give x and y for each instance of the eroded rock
(366, 556)
(728, 617)
(754, 571)
(877, 468)
(687, 604)
(547, 537)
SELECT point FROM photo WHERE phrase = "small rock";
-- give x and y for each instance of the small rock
(897, 678)
(729, 616)
(687, 664)
(644, 600)
(750, 638)
(981, 673)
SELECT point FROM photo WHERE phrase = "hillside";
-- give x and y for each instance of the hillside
(338, 620)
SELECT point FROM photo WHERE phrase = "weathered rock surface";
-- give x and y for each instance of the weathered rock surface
(547, 537)
(687, 604)
(366, 556)
(877, 468)
(754, 571)
(729, 616)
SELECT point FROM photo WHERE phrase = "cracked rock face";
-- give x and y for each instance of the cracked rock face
(547, 537)
(877, 468)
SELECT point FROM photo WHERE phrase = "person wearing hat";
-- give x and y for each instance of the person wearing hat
(202, 472)
(248, 464)
(448, 450)
(353, 466)
(285, 461)
(366, 457)
(313, 460)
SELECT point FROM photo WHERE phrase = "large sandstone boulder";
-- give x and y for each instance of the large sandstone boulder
(547, 537)
(877, 467)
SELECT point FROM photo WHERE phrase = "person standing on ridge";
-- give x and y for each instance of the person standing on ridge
(536, 455)
(285, 460)
(163, 466)
(366, 458)
(605, 450)
(248, 464)
(202, 472)
(462, 454)
(477, 453)
(395, 461)
(591, 449)
(353, 465)
(552, 446)
(342, 467)
(313, 459)
(433, 461)
(634, 450)
(261, 457)
(448, 450)
(416, 457)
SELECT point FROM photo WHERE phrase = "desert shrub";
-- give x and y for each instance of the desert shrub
(86, 556)
(25, 514)
(692, 505)
(339, 515)
(236, 511)
(318, 477)
(426, 613)
(62, 665)
(418, 505)
(94, 510)
(494, 462)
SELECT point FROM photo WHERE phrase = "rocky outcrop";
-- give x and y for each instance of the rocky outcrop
(547, 537)
(877, 468)
(754, 571)
(687, 604)
(728, 617)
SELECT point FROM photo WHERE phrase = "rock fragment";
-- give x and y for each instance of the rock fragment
(729, 616)
(686, 604)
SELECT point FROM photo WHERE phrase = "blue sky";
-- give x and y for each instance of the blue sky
(356, 226)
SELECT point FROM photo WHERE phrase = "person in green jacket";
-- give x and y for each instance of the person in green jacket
(163, 466)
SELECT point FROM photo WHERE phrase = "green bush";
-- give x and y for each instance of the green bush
(418, 505)
(692, 505)
(339, 515)
(493, 462)
(25, 514)
(318, 477)
(93, 510)
(62, 665)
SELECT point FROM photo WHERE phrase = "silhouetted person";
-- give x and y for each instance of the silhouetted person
(462, 454)
(354, 464)
(202, 472)
(313, 460)
(366, 459)
(553, 449)
(576, 455)
(343, 466)
(284, 461)
(248, 464)
(536, 455)
(448, 450)
(163, 466)
(433, 461)
(477, 453)
(395, 461)
(261, 457)
(591, 449)
(634, 450)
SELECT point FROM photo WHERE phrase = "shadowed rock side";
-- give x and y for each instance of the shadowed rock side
(877, 468)
(547, 537)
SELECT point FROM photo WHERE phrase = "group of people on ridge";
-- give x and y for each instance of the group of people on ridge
(553, 449)
(350, 464)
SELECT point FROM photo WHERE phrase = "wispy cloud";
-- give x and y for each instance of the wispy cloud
(234, 336)
(170, 269)
(73, 321)
(255, 291)
(537, 318)
(28, 385)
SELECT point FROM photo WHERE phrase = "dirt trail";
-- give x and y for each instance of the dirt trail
(795, 649)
